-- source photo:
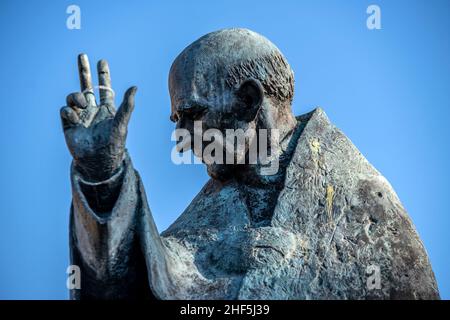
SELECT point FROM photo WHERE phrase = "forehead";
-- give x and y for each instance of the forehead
(196, 83)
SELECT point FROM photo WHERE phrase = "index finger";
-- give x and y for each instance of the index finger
(84, 71)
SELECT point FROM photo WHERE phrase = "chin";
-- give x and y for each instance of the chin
(222, 172)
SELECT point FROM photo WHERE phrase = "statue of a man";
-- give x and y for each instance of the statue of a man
(325, 225)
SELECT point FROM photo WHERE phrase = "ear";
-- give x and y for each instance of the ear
(250, 95)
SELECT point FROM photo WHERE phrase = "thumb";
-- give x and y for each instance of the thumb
(123, 115)
(69, 117)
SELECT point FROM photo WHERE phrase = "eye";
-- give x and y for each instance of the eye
(193, 113)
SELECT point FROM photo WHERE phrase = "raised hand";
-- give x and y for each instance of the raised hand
(96, 134)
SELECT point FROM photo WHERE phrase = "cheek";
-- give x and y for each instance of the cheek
(212, 121)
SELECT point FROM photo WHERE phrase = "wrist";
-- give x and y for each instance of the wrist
(97, 170)
(102, 195)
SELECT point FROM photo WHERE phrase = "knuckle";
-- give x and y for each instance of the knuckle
(63, 112)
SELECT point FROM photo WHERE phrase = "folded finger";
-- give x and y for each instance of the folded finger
(77, 99)
(69, 117)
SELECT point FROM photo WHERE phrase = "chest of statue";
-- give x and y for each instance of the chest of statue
(225, 244)
(237, 251)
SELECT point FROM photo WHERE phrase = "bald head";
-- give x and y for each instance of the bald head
(208, 68)
(231, 79)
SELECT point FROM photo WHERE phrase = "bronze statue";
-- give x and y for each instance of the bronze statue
(314, 229)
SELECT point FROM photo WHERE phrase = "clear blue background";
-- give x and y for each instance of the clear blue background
(388, 90)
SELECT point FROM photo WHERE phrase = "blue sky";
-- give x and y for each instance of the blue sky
(388, 90)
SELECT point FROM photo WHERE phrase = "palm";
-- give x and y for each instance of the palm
(96, 134)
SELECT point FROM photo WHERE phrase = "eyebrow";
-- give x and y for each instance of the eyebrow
(194, 106)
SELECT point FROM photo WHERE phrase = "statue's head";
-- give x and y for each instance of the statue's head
(231, 79)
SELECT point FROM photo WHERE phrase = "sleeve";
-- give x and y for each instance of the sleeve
(105, 237)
